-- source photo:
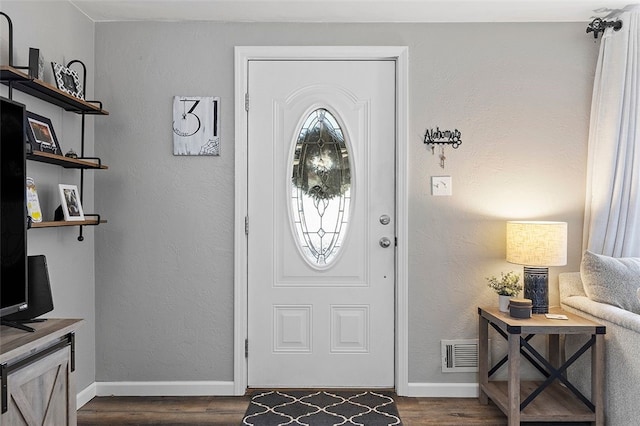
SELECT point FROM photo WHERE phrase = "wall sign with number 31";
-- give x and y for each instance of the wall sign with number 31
(196, 125)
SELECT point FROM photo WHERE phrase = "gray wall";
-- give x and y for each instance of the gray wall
(520, 94)
(62, 34)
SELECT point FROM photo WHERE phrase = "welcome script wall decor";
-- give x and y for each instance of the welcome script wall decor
(442, 137)
(196, 125)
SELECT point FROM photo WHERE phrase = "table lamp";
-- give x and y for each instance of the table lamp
(537, 245)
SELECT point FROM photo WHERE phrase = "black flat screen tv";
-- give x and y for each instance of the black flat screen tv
(13, 209)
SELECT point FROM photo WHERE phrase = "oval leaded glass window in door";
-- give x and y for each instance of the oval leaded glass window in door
(321, 188)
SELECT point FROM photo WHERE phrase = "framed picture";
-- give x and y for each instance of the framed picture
(67, 80)
(70, 201)
(196, 125)
(41, 135)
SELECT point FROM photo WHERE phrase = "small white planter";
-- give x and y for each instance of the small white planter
(503, 303)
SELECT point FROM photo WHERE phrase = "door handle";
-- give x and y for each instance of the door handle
(385, 242)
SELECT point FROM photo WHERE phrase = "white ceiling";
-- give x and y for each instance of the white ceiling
(349, 10)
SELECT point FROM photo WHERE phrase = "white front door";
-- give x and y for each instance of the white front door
(321, 179)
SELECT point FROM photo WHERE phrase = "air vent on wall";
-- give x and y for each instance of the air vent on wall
(459, 356)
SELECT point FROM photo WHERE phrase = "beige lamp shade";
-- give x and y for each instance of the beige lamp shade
(535, 243)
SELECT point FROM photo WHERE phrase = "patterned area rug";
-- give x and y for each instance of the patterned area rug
(321, 408)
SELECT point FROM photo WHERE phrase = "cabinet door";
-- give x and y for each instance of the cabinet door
(42, 393)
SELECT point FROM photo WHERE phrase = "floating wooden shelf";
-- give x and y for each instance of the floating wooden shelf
(24, 83)
(59, 223)
(18, 80)
(66, 162)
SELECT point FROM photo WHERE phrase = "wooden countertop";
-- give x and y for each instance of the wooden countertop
(14, 342)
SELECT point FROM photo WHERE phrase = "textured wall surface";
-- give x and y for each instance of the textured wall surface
(62, 34)
(520, 94)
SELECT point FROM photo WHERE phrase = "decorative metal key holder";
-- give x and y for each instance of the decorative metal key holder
(442, 137)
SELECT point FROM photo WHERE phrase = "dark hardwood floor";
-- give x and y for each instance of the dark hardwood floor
(228, 411)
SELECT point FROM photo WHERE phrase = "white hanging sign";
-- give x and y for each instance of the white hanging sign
(196, 125)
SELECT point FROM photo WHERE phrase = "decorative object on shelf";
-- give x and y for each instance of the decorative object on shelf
(67, 80)
(71, 154)
(33, 204)
(36, 64)
(70, 202)
(442, 138)
(507, 286)
(598, 25)
(537, 245)
(34, 60)
(196, 125)
(41, 135)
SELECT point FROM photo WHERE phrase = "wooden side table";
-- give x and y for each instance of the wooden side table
(551, 399)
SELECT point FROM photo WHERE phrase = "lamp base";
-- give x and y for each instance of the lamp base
(536, 288)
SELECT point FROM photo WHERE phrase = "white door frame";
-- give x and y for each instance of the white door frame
(243, 54)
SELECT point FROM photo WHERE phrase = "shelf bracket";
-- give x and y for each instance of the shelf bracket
(97, 216)
(10, 36)
(97, 159)
(84, 88)
(80, 236)
(84, 80)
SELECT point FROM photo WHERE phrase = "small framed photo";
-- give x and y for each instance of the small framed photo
(41, 135)
(70, 200)
(67, 80)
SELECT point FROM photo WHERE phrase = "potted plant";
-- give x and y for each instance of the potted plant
(507, 286)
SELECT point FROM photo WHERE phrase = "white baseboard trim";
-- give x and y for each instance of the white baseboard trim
(443, 390)
(85, 395)
(215, 388)
(190, 388)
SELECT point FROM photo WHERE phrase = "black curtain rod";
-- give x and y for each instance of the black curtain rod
(598, 25)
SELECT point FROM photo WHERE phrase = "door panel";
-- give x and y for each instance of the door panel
(321, 323)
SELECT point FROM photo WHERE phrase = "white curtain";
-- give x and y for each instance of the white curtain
(612, 208)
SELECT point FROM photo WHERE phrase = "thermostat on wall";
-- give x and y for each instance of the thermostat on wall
(441, 185)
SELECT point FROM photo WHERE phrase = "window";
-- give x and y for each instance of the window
(321, 188)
